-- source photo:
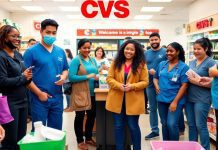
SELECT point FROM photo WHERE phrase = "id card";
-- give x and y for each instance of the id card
(174, 78)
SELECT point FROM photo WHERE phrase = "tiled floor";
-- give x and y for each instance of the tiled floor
(68, 126)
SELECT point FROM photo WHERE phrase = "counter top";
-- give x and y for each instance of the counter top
(100, 94)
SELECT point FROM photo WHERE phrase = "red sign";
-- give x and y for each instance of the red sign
(115, 32)
(204, 23)
(37, 25)
(121, 7)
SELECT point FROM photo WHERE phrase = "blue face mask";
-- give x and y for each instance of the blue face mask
(49, 40)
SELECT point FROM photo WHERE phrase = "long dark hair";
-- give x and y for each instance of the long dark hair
(206, 45)
(178, 47)
(139, 58)
(69, 53)
(103, 53)
(4, 31)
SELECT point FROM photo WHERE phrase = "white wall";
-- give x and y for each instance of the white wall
(4, 14)
(202, 8)
(67, 29)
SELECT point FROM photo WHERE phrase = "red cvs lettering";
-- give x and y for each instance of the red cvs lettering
(121, 7)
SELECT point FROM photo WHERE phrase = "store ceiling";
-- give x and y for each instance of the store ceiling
(175, 10)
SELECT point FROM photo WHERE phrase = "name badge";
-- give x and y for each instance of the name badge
(175, 78)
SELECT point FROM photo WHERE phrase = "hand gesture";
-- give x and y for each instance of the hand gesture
(2, 133)
(28, 74)
(91, 75)
(152, 71)
(127, 87)
(61, 80)
(173, 106)
(44, 96)
(122, 87)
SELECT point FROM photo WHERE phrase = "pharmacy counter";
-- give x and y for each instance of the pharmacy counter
(104, 123)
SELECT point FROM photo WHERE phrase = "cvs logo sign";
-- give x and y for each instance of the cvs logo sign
(121, 7)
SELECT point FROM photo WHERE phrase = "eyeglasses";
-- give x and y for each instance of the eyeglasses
(16, 37)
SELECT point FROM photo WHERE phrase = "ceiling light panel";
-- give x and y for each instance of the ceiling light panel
(151, 9)
(160, 1)
(64, 0)
(74, 17)
(20, 0)
(33, 8)
(69, 8)
(143, 17)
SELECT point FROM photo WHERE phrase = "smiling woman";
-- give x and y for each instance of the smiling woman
(13, 81)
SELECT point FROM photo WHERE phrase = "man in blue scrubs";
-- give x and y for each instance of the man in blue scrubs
(50, 70)
(153, 57)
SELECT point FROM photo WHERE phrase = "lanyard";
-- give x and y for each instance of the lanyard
(175, 76)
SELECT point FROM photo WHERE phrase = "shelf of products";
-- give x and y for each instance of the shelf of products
(111, 46)
(212, 35)
(211, 124)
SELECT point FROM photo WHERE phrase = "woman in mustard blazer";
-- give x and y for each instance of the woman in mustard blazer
(127, 78)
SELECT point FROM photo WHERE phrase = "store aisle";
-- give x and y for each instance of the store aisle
(144, 125)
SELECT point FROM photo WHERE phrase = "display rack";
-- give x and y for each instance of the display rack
(212, 35)
(111, 46)
(211, 124)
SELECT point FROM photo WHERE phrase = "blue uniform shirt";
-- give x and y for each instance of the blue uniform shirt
(198, 93)
(214, 91)
(90, 66)
(47, 67)
(170, 81)
(153, 58)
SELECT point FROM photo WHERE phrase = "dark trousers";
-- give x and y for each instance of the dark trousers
(15, 130)
(216, 112)
(78, 122)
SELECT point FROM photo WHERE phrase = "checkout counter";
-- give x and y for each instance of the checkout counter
(105, 138)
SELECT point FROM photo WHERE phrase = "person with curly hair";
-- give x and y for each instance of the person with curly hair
(127, 78)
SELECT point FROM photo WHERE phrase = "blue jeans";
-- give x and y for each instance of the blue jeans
(196, 114)
(119, 126)
(153, 117)
(169, 121)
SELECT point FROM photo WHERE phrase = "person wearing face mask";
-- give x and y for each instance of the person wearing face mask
(171, 82)
(89, 64)
(50, 70)
(14, 78)
(153, 57)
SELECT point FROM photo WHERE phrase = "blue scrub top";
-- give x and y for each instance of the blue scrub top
(214, 91)
(197, 93)
(171, 81)
(47, 67)
(153, 59)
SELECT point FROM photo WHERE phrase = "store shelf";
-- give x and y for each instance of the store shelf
(212, 136)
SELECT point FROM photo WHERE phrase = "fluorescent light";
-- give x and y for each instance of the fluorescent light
(74, 17)
(151, 9)
(63, 0)
(20, 0)
(160, 1)
(33, 8)
(69, 8)
(143, 17)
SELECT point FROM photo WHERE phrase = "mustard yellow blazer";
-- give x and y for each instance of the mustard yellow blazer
(135, 99)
